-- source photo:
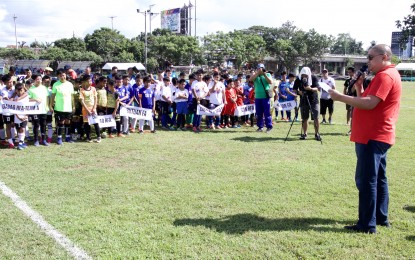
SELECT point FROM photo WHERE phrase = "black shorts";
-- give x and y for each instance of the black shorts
(324, 104)
(61, 116)
(8, 119)
(1, 121)
(20, 125)
(34, 118)
(306, 109)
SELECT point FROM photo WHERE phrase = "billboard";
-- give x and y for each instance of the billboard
(170, 19)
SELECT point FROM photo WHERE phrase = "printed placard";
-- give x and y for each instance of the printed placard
(285, 106)
(20, 108)
(103, 121)
(136, 112)
(201, 110)
(245, 110)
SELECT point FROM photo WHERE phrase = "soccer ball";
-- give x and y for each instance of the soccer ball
(104, 135)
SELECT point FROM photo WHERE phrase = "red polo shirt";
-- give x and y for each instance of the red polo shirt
(379, 123)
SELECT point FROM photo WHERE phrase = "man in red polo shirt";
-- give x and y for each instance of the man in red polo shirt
(373, 131)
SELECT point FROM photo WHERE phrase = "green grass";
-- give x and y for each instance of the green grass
(224, 194)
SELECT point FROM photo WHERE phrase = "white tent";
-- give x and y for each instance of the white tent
(406, 66)
(123, 66)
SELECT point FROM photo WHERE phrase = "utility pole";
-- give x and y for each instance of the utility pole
(151, 14)
(145, 35)
(195, 18)
(190, 18)
(15, 31)
(112, 21)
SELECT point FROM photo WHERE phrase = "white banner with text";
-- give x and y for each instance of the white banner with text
(245, 110)
(137, 112)
(103, 121)
(201, 110)
(285, 106)
(19, 108)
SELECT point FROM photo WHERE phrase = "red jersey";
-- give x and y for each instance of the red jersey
(379, 123)
(229, 108)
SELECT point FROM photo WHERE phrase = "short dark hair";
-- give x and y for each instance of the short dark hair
(182, 81)
(60, 71)
(85, 78)
(18, 86)
(34, 76)
(352, 69)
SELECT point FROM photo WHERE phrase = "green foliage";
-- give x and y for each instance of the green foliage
(407, 25)
(17, 54)
(72, 44)
(177, 49)
(55, 54)
(345, 44)
(108, 44)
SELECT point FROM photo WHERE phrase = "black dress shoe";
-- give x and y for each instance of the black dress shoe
(361, 230)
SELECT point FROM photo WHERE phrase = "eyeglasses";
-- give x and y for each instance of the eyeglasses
(371, 57)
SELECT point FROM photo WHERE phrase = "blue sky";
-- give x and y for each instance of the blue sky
(48, 20)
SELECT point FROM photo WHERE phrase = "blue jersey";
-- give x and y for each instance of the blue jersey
(289, 96)
(282, 90)
(147, 96)
(123, 91)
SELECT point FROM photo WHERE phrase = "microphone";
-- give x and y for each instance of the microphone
(358, 74)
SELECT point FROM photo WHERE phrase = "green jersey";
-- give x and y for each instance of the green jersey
(63, 96)
(41, 92)
(261, 85)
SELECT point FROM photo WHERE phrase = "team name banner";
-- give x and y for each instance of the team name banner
(19, 108)
(285, 106)
(245, 110)
(103, 121)
(137, 112)
(201, 110)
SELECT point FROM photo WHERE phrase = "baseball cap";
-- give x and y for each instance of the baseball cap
(261, 66)
(66, 67)
(48, 69)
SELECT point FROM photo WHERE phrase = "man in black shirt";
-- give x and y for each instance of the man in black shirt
(307, 87)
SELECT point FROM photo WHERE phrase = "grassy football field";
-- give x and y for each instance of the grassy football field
(233, 194)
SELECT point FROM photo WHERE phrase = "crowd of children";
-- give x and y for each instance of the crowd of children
(173, 101)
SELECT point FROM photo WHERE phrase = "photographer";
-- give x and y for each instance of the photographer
(262, 84)
(307, 87)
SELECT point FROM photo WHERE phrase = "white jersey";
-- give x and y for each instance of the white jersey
(166, 92)
(7, 94)
(157, 90)
(200, 89)
(216, 97)
(181, 92)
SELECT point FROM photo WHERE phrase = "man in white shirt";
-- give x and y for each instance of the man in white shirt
(325, 100)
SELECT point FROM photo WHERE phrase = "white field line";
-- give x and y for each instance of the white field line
(61, 239)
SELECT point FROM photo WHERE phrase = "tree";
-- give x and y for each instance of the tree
(17, 54)
(177, 49)
(246, 48)
(345, 44)
(107, 43)
(55, 54)
(216, 47)
(71, 44)
(407, 25)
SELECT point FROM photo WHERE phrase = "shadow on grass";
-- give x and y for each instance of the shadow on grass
(241, 223)
(250, 139)
(410, 208)
(410, 238)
